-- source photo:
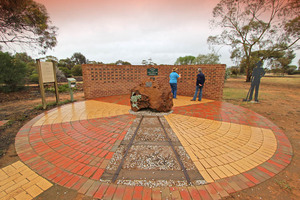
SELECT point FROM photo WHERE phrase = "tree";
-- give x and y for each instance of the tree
(26, 23)
(291, 69)
(94, 62)
(66, 65)
(78, 59)
(31, 71)
(51, 59)
(12, 71)
(77, 70)
(149, 62)
(186, 60)
(206, 59)
(24, 57)
(285, 61)
(256, 25)
(120, 62)
(211, 58)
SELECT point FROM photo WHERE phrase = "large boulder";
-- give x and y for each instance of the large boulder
(151, 95)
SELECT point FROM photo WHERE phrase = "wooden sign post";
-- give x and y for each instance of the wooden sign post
(47, 74)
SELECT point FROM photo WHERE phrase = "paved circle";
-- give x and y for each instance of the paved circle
(232, 147)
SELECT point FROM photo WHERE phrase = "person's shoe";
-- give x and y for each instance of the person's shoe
(193, 100)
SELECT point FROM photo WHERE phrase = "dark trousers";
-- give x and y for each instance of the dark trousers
(200, 93)
(174, 89)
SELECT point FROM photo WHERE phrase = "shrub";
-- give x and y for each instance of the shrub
(235, 70)
(61, 88)
(34, 78)
(227, 74)
(291, 69)
(76, 70)
(12, 72)
(66, 71)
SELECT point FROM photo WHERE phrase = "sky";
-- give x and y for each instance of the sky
(133, 30)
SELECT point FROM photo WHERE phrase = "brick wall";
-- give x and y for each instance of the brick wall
(108, 80)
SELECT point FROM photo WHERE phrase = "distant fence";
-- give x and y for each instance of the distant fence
(109, 80)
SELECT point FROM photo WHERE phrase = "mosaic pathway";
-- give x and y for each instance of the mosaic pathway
(232, 148)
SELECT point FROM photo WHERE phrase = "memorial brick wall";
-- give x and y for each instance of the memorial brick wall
(109, 80)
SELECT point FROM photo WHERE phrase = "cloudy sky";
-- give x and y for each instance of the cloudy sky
(133, 30)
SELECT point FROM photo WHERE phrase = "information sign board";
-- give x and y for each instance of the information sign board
(47, 72)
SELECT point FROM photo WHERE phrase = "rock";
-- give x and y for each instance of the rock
(151, 95)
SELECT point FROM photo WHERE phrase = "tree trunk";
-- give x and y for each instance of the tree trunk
(248, 76)
(248, 71)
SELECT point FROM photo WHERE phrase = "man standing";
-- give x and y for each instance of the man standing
(199, 85)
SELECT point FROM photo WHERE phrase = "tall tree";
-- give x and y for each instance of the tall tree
(207, 59)
(26, 23)
(286, 60)
(66, 65)
(24, 57)
(186, 60)
(78, 59)
(149, 62)
(253, 25)
(121, 62)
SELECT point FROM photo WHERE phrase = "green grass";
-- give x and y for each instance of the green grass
(234, 93)
(282, 80)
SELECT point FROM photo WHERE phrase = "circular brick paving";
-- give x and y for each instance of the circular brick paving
(232, 147)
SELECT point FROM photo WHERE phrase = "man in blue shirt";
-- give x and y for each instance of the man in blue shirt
(199, 85)
(173, 81)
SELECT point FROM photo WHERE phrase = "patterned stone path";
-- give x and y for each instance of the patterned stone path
(233, 148)
(17, 181)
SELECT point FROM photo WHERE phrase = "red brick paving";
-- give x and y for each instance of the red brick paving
(71, 154)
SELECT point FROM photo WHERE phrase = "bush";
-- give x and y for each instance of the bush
(235, 70)
(227, 73)
(66, 71)
(34, 78)
(76, 70)
(61, 88)
(291, 69)
(296, 72)
(12, 72)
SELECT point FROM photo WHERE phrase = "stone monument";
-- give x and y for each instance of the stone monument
(151, 95)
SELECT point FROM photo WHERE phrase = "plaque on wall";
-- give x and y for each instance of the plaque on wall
(152, 71)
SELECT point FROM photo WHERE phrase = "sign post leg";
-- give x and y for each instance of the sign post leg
(42, 90)
(55, 84)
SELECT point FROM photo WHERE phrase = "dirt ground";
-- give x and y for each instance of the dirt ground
(278, 101)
